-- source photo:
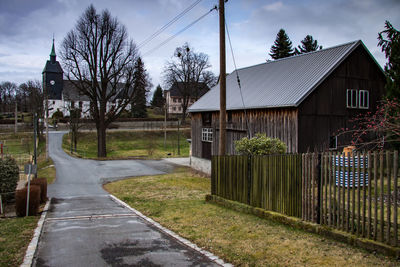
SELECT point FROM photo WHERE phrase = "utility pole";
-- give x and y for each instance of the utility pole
(47, 124)
(16, 118)
(222, 79)
(34, 140)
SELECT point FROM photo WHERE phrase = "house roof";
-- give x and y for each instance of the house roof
(281, 83)
(71, 92)
(176, 92)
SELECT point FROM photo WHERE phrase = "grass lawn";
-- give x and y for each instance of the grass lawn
(15, 236)
(177, 202)
(126, 144)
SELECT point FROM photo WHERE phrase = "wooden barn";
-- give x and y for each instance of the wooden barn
(303, 100)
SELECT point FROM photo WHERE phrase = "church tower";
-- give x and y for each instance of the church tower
(53, 77)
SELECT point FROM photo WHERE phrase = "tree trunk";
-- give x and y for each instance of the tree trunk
(101, 139)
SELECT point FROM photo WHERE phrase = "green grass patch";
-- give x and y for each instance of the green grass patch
(130, 144)
(46, 169)
(15, 236)
(177, 201)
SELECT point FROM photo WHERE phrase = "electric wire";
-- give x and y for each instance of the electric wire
(176, 18)
(179, 32)
(238, 80)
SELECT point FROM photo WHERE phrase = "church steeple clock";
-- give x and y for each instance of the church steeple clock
(53, 77)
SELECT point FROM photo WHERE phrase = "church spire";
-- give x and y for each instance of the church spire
(53, 54)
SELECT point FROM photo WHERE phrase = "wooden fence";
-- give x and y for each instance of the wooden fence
(268, 182)
(358, 194)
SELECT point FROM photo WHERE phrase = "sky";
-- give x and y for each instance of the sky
(27, 28)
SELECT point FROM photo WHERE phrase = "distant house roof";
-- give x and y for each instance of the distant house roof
(281, 83)
(177, 92)
(72, 93)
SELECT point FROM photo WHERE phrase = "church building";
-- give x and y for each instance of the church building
(62, 94)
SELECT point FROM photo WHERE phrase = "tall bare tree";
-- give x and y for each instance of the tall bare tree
(188, 71)
(99, 59)
(8, 96)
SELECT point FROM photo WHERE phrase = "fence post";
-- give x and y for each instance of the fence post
(319, 187)
(249, 178)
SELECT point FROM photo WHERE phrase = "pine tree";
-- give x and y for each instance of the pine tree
(308, 44)
(158, 98)
(391, 47)
(282, 46)
(140, 88)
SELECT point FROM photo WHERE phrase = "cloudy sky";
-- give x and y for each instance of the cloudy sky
(27, 28)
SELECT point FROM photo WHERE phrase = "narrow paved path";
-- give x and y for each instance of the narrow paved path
(85, 227)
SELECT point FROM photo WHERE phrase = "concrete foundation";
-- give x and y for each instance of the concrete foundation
(203, 165)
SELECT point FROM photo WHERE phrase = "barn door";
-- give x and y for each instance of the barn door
(206, 150)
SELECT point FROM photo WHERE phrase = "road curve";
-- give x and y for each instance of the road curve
(85, 227)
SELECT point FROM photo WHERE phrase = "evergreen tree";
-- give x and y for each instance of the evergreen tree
(140, 88)
(391, 47)
(282, 46)
(158, 98)
(308, 44)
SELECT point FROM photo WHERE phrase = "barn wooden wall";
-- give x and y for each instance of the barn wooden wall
(276, 123)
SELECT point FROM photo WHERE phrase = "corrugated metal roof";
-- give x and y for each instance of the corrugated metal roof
(280, 83)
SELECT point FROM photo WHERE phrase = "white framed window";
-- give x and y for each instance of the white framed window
(363, 99)
(351, 98)
(206, 134)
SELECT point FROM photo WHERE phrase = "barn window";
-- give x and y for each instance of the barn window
(351, 98)
(174, 108)
(206, 134)
(333, 142)
(206, 118)
(229, 117)
(363, 99)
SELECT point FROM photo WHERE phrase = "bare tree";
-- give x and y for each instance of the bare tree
(99, 59)
(7, 96)
(188, 71)
(33, 94)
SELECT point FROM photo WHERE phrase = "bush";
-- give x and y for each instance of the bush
(260, 145)
(42, 182)
(34, 201)
(9, 176)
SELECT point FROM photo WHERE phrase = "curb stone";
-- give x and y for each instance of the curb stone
(182, 240)
(31, 250)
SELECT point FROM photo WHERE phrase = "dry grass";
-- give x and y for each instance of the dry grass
(177, 202)
(14, 239)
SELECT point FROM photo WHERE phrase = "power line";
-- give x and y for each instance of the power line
(238, 80)
(179, 32)
(180, 15)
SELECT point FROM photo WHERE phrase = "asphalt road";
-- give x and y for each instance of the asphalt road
(85, 227)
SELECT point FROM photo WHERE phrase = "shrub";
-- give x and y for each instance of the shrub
(260, 145)
(34, 201)
(42, 182)
(9, 176)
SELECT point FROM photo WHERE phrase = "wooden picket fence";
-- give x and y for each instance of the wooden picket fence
(358, 194)
(268, 182)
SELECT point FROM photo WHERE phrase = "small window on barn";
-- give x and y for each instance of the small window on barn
(229, 117)
(351, 98)
(363, 99)
(206, 135)
(206, 118)
(174, 100)
(333, 143)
